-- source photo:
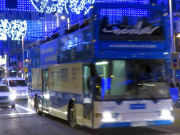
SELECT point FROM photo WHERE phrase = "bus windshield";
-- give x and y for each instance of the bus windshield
(14, 83)
(131, 79)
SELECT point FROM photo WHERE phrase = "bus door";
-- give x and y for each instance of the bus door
(45, 89)
(87, 96)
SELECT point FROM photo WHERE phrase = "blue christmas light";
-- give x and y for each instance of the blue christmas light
(34, 30)
(22, 5)
(37, 29)
(177, 5)
(2, 4)
(124, 12)
(25, 5)
(124, 1)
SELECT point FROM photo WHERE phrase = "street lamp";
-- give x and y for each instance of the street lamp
(173, 47)
(23, 53)
(174, 54)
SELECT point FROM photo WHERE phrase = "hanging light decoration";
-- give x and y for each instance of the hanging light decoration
(60, 6)
(16, 29)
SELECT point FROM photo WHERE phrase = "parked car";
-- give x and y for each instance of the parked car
(17, 85)
(7, 97)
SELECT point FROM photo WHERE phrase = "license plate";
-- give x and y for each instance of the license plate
(137, 106)
(139, 124)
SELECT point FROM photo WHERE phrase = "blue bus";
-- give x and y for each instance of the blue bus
(107, 70)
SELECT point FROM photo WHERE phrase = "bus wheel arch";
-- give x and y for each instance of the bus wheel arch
(72, 113)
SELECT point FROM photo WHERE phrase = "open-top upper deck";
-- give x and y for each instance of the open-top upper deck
(113, 31)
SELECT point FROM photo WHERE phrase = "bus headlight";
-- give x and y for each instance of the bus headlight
(12, 96)
(107, 117)
(166, 114)
(46, 96)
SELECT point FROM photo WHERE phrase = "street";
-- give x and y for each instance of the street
(24, 121)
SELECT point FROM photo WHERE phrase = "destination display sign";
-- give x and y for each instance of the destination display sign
(116, 27)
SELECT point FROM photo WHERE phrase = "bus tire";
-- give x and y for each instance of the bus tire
(38, 112)
(36, 106)
(72, 116)
(13, 106)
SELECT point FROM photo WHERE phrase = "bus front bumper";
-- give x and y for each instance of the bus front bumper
(136, 123)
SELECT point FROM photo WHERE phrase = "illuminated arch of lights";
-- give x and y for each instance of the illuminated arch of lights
(61, 6)
(16, 29)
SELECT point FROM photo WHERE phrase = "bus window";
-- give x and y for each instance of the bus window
(12, 83)
(6, 83)
(86, 79)
(21, 83)
(127, 79)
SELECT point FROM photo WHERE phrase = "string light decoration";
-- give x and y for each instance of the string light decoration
(16, 29)
(61, 6)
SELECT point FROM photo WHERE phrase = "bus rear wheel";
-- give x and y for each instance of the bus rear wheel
(72, 116)
(36, 106)
(13, 106)
(38, 111)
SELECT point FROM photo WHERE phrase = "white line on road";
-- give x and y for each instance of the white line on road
(25, 108)
(29, 112)
(15, 114)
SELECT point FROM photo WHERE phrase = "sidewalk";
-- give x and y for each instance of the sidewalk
(177, 116)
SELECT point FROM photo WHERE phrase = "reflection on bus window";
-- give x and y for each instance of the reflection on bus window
(17, 83)
(116, 26)
(12, 83)
(132, 79)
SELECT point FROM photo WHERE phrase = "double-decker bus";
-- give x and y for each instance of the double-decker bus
(109, 70)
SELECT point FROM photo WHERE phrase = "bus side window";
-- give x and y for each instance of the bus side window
(86, 79)
(6, 83)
